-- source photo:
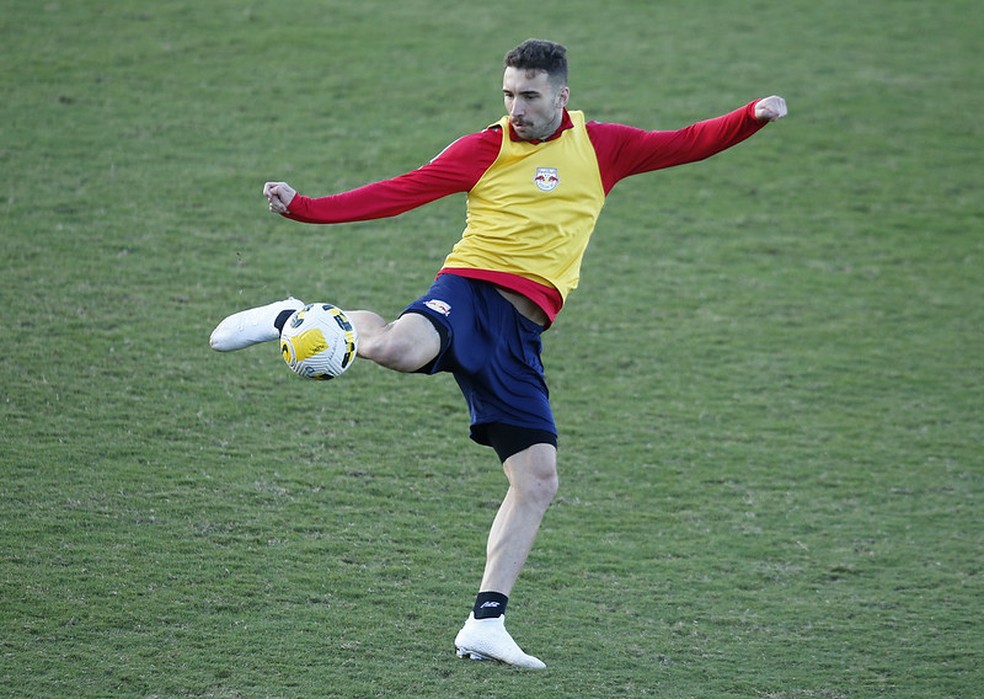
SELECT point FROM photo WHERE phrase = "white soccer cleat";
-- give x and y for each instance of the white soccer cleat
(487, 639)
(250, 326)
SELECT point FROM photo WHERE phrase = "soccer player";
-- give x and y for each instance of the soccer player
(536, 182)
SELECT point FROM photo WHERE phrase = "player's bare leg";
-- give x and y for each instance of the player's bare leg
(533, 482)
(405, 344)
(532, 475)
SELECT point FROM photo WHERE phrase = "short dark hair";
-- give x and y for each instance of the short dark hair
(537, 55)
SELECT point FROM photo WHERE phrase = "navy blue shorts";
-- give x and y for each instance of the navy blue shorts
(493, 352)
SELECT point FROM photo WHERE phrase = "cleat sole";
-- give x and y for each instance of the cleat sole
(472, 655)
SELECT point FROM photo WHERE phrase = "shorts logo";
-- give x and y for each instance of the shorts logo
(439, 306)
(546, 178)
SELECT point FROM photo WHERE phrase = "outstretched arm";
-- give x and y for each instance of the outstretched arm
(456, 169)
(624, 150)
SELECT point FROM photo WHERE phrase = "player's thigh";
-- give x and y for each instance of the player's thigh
(407, 344)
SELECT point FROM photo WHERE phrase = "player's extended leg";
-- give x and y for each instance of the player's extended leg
(532, 475)
(406, 344)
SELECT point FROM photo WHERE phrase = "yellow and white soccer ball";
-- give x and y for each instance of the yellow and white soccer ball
(319, 342)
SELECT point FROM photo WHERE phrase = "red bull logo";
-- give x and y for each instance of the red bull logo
(546, 178)
(441, 307)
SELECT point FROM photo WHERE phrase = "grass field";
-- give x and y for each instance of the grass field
(770, 385)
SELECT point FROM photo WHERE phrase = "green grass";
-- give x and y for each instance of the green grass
(770, 385)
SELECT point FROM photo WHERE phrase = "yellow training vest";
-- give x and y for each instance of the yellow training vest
(534, 209)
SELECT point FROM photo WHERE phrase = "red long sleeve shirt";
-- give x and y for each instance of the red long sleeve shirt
(621, 151)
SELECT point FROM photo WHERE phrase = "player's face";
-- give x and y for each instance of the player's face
(534, 104)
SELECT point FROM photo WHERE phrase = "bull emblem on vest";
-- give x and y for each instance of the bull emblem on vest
(546, 178)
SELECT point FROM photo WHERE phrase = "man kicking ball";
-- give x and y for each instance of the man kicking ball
(536, 181)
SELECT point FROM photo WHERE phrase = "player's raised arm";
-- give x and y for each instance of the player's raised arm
(279, 195)
(770, 108)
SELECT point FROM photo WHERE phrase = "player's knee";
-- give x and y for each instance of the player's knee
(542, 488)
(533, 472)
(549, 484)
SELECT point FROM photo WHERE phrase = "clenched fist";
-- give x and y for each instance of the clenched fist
(770, 108)
(279, 195)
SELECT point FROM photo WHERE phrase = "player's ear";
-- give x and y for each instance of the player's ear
(564, 95)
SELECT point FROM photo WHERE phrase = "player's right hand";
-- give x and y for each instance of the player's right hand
(279, 195)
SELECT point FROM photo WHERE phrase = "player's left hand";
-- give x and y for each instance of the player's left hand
(770, 108)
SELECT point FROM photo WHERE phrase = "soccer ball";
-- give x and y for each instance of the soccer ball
(318, 341)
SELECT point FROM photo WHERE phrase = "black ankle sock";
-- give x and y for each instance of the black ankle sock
(489, 605)
(281, 320)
